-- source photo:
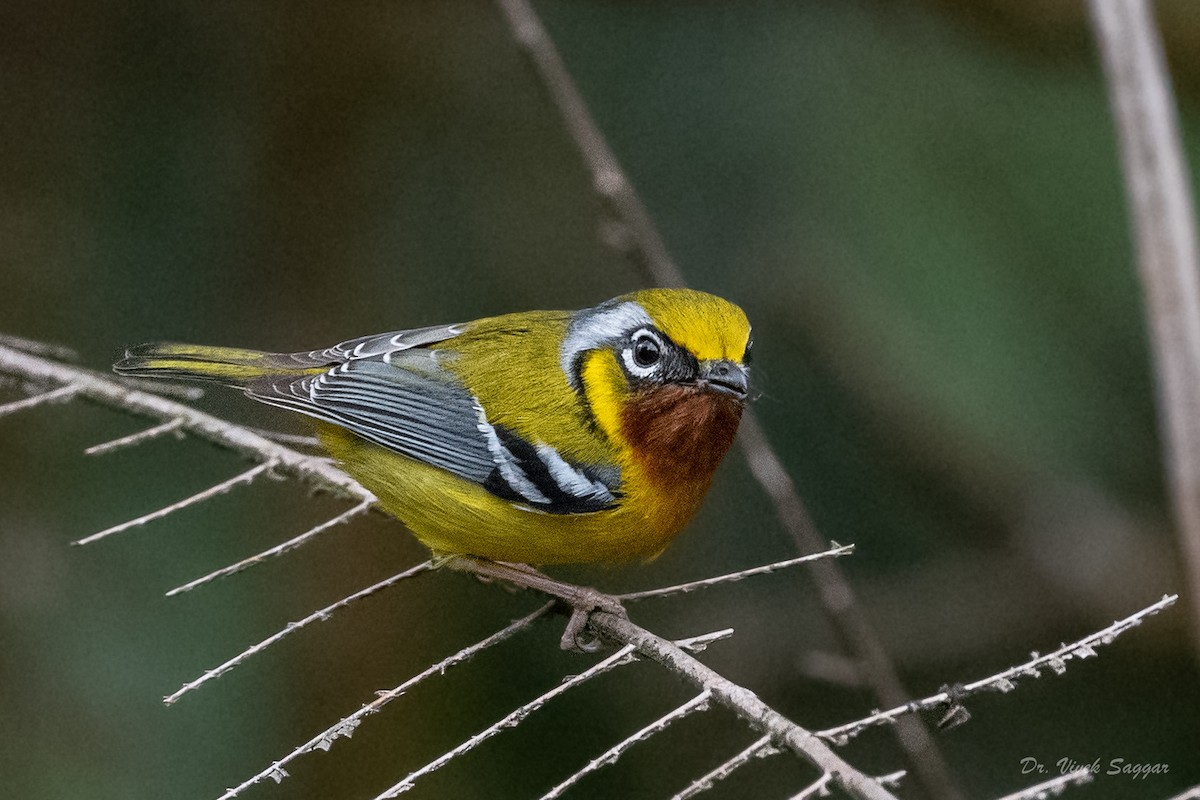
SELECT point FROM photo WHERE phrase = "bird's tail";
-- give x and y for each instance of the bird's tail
(232, 366)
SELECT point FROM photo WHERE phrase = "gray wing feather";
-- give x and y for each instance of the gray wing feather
(429, 417)
(379, 344)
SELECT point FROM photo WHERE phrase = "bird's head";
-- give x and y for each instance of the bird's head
(665, 370)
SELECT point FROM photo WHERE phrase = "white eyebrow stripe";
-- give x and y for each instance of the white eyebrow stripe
(570, 479)
(598, 327)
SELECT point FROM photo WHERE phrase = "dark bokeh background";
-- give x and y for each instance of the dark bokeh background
(919, 206)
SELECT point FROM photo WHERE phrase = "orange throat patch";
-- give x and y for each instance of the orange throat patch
(680, 433)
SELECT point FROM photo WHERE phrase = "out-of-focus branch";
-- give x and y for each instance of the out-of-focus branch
(1164, 226)
(1053, 787)
(642, 243)
(1003, 681)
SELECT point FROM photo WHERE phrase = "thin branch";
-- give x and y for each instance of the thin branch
(837, 551)
(1190, 794)
(820, 788)
(212, 491)
(610, 756)
(292, 627)
(159, 387)
(114, 393)
(758, 749)
(1163, 218)
(59, 395)
(34, 347)
(134, 438)
(623, 656)
(296, 439)
(1053, 787)
(1004, 681)
(347, 725)
(643, 245)
(279, 549)
(758, 715)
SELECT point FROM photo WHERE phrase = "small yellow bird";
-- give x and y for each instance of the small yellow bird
(542, 437)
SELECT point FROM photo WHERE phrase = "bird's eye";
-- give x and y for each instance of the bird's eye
(646, 352)
(747, 355)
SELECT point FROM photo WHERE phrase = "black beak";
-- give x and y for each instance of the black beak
(726, 377)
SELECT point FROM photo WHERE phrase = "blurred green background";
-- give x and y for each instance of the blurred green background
(917, 203)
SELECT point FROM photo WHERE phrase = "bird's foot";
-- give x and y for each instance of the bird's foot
(582, 601)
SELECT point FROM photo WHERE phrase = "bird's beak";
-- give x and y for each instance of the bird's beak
(726, 377)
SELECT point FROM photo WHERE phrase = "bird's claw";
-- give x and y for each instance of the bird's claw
(576, 636)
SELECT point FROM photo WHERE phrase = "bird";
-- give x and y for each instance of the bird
(539, 437)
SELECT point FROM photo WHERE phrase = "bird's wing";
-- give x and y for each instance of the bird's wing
(395, 392)
(377, 345)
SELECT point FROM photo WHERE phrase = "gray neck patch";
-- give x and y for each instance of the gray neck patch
(602, 326)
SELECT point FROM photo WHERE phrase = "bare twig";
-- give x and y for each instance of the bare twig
(134, 438)
(1053, 787)
(198, 497)
(623, 656)
(642, 243)
(295, 439)
(759, 748)
(292, 627)
(610, 756)
(34, 347)
(59, 395)
(820, 787)
(113, 393)
(165, 388)
(1190, 794)
(279, 549)
(1164, 224)
(1002, 681)
(346, 726)
(837, 551)
(782, 732)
